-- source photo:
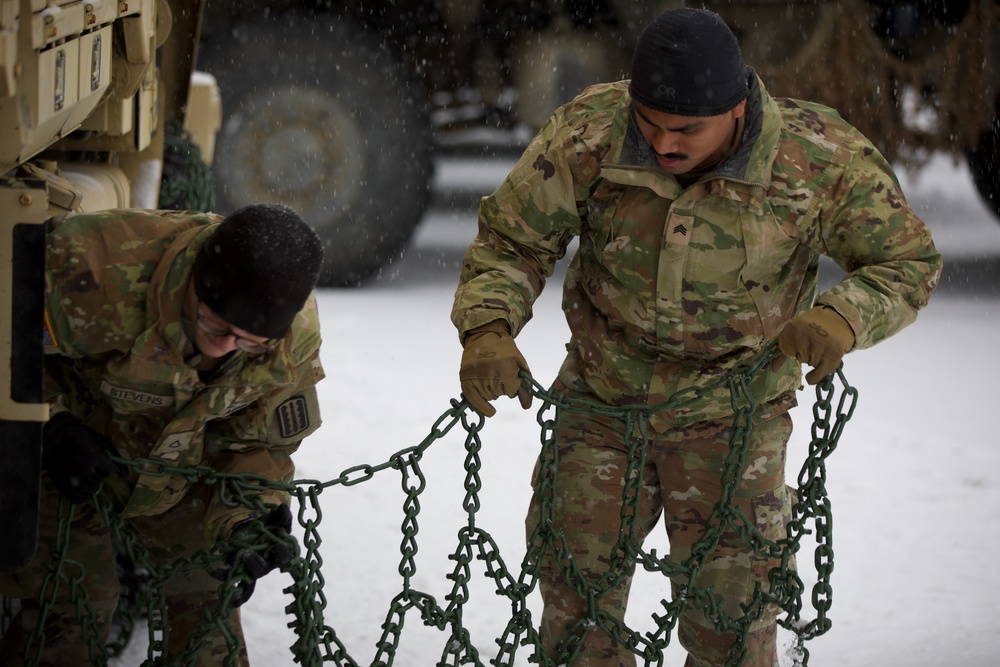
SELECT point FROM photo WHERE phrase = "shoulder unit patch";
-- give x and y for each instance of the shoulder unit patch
(293, 416)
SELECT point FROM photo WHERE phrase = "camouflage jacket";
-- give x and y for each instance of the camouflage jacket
(671, 287)
(116, 349)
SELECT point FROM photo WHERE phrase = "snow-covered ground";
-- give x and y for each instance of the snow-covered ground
(913, 482)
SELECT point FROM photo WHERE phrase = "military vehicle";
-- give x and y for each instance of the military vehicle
(338, 108)
(98, 105)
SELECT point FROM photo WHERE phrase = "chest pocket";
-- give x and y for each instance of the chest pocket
(777, 272)
(626, 233)
(137, 416)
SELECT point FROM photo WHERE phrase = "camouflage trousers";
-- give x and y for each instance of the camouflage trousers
(681, 480)
(90, 565)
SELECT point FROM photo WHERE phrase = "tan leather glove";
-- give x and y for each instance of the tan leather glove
(819, 337)
(490, 366)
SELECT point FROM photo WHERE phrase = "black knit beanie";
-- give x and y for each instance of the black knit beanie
(687, 62)
(258, 267)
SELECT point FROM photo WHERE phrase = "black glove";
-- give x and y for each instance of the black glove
(257, 544)
(76, 457)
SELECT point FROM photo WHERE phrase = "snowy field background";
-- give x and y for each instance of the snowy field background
(913, 482)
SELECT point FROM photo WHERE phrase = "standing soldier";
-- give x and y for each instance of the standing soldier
(184, 338)
(702, 206)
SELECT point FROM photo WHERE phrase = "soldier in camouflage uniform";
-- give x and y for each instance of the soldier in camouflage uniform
(184, 338)
(702, 206)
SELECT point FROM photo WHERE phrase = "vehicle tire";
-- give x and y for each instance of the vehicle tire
(984, 163)
(321, 116)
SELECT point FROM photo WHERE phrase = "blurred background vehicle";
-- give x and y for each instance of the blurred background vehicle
(339, 109)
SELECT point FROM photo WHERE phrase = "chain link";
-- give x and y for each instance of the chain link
(317, 643)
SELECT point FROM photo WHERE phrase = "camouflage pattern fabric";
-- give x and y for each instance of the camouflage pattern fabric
(177, 533)
(681, 481)
(118, 354)
(671, 287)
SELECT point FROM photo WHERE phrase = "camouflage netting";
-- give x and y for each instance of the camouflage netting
(186, 184)
(936, 91)
(317, 638)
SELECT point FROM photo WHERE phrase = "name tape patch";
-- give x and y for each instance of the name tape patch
(135, 396)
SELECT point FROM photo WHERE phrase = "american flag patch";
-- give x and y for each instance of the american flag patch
(49, 341)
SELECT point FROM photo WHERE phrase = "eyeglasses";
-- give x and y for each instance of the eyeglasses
(245, 344)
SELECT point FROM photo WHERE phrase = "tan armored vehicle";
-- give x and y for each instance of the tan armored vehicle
(88, 89)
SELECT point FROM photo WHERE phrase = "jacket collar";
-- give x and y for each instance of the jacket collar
(754, 159)
(631, 160)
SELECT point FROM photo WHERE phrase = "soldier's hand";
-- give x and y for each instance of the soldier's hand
(260, 545)
(819, 337)
(76, 456)
(490, 366)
